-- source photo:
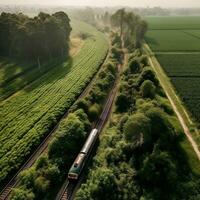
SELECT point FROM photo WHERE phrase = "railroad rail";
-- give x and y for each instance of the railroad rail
(5, 192)
(67, 190)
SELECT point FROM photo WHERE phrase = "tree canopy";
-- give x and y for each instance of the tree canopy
(40, 38)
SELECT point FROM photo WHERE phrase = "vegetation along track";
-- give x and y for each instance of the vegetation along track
(69, 188)
(19, 135)
(172, 97)
(41, 148)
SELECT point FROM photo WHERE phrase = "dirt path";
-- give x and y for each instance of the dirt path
(176, 110)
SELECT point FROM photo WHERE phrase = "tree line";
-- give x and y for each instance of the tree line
(131, 27)
(40, 38)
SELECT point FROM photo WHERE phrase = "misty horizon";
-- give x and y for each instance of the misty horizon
(109, 3)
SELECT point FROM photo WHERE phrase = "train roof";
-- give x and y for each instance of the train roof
(89, 141)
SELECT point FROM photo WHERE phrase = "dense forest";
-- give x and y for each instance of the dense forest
(40, 38)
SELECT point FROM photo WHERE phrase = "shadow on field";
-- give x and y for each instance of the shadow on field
(27, 76)
(51, 73)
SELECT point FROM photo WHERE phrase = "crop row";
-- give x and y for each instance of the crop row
(173, 22)
(172, 40)
(180, 64)
(30, 114)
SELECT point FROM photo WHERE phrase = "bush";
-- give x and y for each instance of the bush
(41, 185)
(159, 170)
(82, 104)
(134, 66)
(94, 112)
(22, 194)
(148, 74)
(148, 89)
(122, 102)
(137, 128)
(116, 53)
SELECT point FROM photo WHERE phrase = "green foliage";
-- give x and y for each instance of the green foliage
(159, 170)
(39, 107)
(22, 194)
(94, 112)
(102, 185)
(39, 38)
(116, 53)
(147, 74)
(148, 89)
(134, 66)
(122, 102)
(71, 135)
(131, 27)
(41, 185)
(137, 128)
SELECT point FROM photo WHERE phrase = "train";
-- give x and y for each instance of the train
(79, 162)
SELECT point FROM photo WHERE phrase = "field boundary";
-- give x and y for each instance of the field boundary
(175, 101)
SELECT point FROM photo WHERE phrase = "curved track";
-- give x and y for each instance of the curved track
(68, 188)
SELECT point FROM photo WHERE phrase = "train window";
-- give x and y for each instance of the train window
(76, 165)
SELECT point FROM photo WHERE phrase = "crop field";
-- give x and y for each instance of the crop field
(176, 43)
(178, 65)
(29, 114)
(174, 23)
(172, 40)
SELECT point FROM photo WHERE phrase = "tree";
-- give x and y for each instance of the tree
(137, 128)
(159, 170)
(141, 29)
(148, 74)
(117, 20)
(102, 185)
(148, 89)
(134, 65)
(122, 102)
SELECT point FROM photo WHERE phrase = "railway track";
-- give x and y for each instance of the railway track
(68, 188)
(5, 192)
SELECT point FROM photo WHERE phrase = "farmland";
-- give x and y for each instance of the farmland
(172, 40)
(174, 22)
(176, 43)
(29, 114)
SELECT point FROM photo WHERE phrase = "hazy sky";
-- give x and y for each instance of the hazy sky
(133, 3)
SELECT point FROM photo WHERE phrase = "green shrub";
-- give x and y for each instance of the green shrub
(122, 103)
(148, 89)
(94, 112)
(134, 66)
(137, 128)
(22, 194)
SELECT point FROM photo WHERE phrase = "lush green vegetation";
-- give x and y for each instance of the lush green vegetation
(172, 40)
(173, 22)
(39, 38)
(51, 170)
(132, 27)
(139, 156)
(27, 116)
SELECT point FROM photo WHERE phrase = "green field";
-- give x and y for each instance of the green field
(176, 43)
(28, 115)
(179, 65)
(172, 40)
(194, 33)
(173, 22)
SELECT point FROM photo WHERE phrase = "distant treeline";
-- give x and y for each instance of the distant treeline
(40, 38)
